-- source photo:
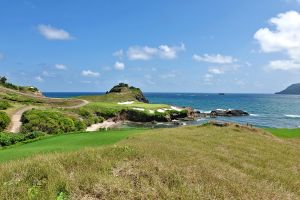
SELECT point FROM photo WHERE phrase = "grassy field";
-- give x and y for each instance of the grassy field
(285, 133)
(67, 142)
(115, 107)
(204, 162)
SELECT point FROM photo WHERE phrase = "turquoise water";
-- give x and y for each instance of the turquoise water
(266, 110)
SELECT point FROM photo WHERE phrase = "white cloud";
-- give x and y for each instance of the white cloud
(52, 33)
(119, 66)
(48, 74)
(283, 65)
(119, 53)
(89, 73)
(39, 79)
(208, 77)
(216, 71)
(285, 38)
(60, 66)
(214, 58)
(147, 53)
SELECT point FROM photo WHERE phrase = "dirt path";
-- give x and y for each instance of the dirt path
(15, 124)
(84, 102)
(106, 124)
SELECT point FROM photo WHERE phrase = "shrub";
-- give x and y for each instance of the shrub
(7, 139)
(4, 120)
(48, 121)
(4, 105)
(88, 117)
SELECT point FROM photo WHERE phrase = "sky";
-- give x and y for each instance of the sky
(232, 46)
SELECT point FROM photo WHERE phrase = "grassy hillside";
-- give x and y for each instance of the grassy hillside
(204, 162)
(68, 142)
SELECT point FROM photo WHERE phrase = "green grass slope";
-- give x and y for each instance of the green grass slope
(285, 133)
(68, 142)
(184, 163)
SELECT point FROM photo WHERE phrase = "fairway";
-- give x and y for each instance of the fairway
(285, 132)
(68, 142)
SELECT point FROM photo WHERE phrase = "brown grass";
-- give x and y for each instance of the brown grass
(184, 163)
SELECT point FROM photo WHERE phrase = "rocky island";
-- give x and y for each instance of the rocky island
(292, 89)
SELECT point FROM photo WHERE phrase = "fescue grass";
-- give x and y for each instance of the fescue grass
(67, 142)
(184, 163)
(285, 132)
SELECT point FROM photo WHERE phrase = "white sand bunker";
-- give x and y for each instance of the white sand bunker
(163, 110)
(176, 108)
(126, 103)
(140, 109)
(106, 124)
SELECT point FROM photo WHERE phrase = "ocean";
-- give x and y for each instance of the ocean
(266, 110)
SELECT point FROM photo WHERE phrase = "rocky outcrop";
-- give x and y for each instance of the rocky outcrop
(130, 91)
(228, 113)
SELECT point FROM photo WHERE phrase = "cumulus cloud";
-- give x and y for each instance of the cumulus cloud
(60, 66)
(119, 66)
(52, 33)
(119, 53)
(216, 71)
(214, 58)
(39, 79)
(284, 65)
(147, 53)
(284, 38)
(89, 73)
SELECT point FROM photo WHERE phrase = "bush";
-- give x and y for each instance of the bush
(7, 139)
(47, 121)
(4, 105)
(4, 120)
(88, 117)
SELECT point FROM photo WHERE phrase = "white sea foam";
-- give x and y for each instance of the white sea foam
(254, 115)
(293, 116)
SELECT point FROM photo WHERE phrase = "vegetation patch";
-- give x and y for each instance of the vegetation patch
(4, 105)
(50, 122)
(4, 120)
(7, 139)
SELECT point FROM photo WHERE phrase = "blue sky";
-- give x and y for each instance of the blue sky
(159, 46)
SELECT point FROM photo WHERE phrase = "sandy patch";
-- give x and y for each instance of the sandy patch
(140, 109)
(176, 108)
(126, 103)
(106, 124)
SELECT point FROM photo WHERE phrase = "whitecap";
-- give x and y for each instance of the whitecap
(254, 115)
(293, 116)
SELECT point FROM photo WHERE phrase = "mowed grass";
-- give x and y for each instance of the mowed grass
(285, 133)
(204, 162)
(114, 107)
(67, 142)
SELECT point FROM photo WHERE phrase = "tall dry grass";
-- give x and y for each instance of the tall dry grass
(183, 163)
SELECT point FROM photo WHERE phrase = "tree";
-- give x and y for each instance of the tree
(3, 79)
